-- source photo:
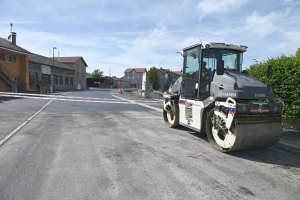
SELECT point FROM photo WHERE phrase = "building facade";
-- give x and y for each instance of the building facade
(54, 77)
(163, 78)
(173, 76)
(135, 76)
(79, 65)
(14, 66)
(117, 82)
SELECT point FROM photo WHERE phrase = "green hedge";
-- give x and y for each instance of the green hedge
(285, 81)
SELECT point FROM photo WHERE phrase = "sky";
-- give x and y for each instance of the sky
(112, 35)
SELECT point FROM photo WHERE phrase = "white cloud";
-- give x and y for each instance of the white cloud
(289, 43)
(207, 7)
(261, 26)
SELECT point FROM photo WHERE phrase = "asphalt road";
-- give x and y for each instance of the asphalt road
(80, 150)
(14, 111)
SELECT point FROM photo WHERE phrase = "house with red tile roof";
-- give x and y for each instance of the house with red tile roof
(52, 73)
(167, 77)
(78, 64)
(117, 82)
(135, 76)
(178, 73)
(173, 76)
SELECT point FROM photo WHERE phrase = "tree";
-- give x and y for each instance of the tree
(153, 78)
(97, 73)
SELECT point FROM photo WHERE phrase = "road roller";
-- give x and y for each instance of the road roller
(216, 96)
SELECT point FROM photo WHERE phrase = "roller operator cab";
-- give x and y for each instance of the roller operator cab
(214, 95)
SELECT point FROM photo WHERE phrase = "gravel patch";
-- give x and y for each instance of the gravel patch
(137, 92)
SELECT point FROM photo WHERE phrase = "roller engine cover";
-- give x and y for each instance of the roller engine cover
(247, 87)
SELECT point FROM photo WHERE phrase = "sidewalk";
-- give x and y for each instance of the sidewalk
(290, 139)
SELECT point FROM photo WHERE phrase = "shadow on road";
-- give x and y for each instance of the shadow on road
(199, 135)
(3, 99)
(270, 155)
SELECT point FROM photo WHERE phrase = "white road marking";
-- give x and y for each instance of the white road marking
(66, 98)
(147, 106)
(24, 123)
(44, 96)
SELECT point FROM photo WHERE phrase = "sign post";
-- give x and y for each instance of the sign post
(145, 92)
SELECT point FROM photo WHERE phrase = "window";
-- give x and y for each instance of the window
(71, 80)
(191, 72)
(2, 56)
(77, 65)
(61, 80)
(232, 59)
(56, 79)
(46, 78)
(128, 76)
(12, 59)
(133, 72)
(66, 80)
(132, 77)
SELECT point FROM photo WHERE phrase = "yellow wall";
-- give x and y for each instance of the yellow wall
(19, 69)
(4, 88)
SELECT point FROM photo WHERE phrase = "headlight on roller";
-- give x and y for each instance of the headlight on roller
(242, 108)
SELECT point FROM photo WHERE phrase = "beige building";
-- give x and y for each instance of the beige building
(135, 76)
(78, 64)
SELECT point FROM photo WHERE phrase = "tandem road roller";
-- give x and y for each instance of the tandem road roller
(214, 95)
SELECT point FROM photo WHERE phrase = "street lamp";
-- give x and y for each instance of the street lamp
(52, 70)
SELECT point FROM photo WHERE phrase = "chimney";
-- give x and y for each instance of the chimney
(14, 38)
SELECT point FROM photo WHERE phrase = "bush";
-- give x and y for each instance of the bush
(285, 82)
